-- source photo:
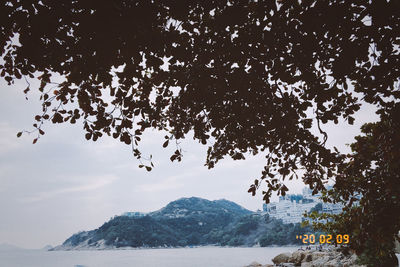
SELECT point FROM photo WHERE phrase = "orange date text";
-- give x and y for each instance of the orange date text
(323, 239)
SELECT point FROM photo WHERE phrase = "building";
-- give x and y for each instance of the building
(291, 208)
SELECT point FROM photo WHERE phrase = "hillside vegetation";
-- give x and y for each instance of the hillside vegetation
(189, 222)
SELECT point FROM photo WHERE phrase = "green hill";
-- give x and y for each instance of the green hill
(188, 222)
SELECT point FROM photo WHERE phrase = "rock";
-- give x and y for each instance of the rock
(330, 257)
(297, 257)
(316, 255)
(281, 258)
(327, 258)
(353, 258)
(307, 257)
(320, 261)
(333, 263)
(254, 264)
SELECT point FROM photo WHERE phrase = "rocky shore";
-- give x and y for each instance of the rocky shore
(312, 258)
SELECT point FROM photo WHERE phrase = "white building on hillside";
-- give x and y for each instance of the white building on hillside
(290, 208)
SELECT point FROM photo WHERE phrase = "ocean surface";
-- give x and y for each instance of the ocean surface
(168, 257)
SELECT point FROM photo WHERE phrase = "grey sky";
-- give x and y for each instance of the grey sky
(65, 184)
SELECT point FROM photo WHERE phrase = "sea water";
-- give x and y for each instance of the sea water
(168, 257)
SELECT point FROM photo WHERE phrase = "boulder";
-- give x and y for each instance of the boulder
(334, 263)
(353, 258)
(330, 257)
(317, 254)
(307, 257)
(320, 261)
(282, 258)
(297, 257)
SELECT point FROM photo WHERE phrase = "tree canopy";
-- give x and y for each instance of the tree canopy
(246, 77)
(369, 188)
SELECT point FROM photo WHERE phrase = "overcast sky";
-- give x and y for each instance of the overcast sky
(65, 184)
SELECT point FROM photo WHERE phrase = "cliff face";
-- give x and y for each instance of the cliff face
(186, 222)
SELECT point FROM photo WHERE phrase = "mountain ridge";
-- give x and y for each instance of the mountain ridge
(184, 222)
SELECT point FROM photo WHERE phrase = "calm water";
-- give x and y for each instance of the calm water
(179, 257)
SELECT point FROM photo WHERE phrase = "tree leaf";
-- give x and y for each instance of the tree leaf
(165, 143)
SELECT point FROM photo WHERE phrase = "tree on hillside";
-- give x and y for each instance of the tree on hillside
(246, 77)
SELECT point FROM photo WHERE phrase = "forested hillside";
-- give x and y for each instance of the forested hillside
(188, 222)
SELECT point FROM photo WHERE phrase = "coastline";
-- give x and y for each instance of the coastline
(91, 248)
